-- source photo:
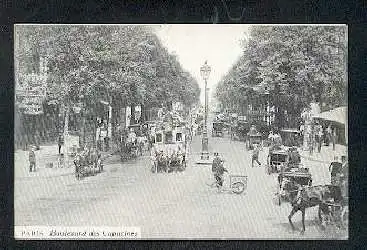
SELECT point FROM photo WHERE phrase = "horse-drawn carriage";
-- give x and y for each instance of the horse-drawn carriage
(217, 128)
(169, 150)
(253, 138)
(239, 130)
(277, 160)
(87, 162)
(296, 188)
(282, 159)
(287, 180)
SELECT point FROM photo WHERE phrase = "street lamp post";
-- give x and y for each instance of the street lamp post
(204, 158)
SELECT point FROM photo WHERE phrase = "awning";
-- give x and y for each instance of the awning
(338, 115)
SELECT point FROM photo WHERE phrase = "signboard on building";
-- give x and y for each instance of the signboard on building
(30, 94)
(33, 109)
(31, 90)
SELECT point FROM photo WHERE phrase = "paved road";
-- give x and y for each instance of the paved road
(175, 205)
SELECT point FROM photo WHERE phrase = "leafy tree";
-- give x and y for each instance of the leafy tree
(124, 65)
(296, 64)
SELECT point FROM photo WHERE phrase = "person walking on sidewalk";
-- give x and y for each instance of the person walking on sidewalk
(255, 155)
(329, 132)
(32, 160)
(335, 170)
(60, 142)
(320, 139)
(333, 138)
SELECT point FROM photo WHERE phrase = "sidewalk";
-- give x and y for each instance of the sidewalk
(326, 155)
(46, 154)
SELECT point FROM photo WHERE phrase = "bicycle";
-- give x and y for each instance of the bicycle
(237, 184)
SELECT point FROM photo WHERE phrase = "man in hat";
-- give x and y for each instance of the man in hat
(216, 162)
(335, 170)
(60, 142)
(218, 170)
(32, 160)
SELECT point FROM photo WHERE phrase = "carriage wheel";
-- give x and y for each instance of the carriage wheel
(238, 187)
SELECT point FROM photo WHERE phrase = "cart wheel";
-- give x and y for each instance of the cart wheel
(238, 187)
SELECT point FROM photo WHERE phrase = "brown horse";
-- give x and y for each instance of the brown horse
(302, 197)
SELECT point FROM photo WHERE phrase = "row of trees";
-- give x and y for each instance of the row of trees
(124, 65)
(127, 63)
(293, 65)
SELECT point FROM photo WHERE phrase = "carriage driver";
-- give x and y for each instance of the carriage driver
(218, 169)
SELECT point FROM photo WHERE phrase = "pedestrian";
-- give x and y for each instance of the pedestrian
(344, 175)
(218, 170)
(60, 142)
(255, 155)
(335, 169)
(271, 137)
(344, 166)
(328, 135)
(320, 134)
(333, 137)
(32, 160)
(216, 162)
(302, 129)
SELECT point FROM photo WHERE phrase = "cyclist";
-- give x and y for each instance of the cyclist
(218, 170)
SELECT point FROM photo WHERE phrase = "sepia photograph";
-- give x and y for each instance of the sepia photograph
(181, 131)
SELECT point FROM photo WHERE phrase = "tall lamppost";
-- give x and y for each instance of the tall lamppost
(205, 72)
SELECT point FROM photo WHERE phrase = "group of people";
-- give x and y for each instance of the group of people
(274, 138)
(322, 135)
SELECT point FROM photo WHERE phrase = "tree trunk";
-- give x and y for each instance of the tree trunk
(66, 134)
(145, 113)
(116, 119)
(82, 127)
(132, 116)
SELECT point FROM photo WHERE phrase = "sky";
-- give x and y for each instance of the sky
(194, 44)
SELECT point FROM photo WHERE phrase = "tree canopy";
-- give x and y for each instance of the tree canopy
(295, 65)
(126, 64)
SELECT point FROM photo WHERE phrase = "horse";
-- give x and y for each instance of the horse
(311, 196)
